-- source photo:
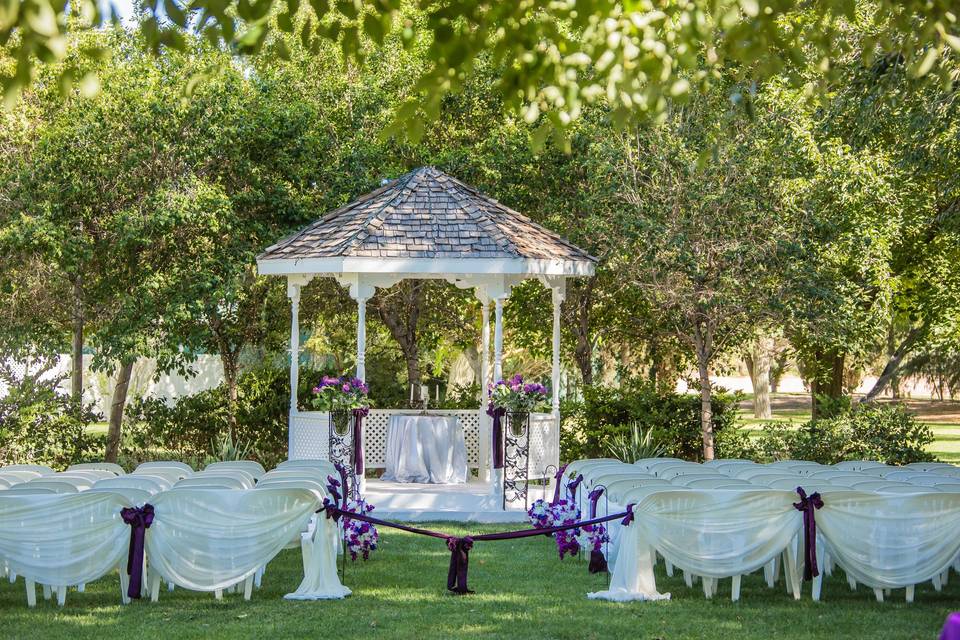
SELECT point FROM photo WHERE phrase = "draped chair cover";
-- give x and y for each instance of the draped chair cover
(63, 539)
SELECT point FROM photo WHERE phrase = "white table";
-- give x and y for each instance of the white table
(425, 449)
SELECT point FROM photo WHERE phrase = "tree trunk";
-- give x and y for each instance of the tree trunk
(76, 376)
(401, 317)
(706, 410)
(777, 368)
(758, 366)
(231, 368)
(894, 361)
(703, 343)
(827, 388)
(116, 411)
(583, 352)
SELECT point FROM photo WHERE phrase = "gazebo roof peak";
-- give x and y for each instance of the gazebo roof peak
(425, 215)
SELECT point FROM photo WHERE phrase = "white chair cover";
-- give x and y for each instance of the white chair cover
(112, 467)
(67, 485)
(166, 464)
(63, 539)
(254, 468)
(208, 540)
(39, 469)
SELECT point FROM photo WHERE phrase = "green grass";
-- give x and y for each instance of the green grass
(523, 591)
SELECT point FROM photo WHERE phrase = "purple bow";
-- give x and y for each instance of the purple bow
(558, 478)
(498, 437)
(358, 416)
(333, 488)
(629, 517)
(139, 519)
(573, 486)
(598, 564)
(343, 481)
(459, 561)
(331, 509)
(809, 506)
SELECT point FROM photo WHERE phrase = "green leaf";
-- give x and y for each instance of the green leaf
(373, 28)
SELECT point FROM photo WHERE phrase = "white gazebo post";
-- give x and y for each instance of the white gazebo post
(559, 291)
(497, 476)
(485, 452)
(294, 284)
(361, 292)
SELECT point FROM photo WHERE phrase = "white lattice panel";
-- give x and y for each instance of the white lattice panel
(309, 436)
(544, 445)
(309, 433)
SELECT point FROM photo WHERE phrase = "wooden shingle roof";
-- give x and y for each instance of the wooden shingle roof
(425, 214)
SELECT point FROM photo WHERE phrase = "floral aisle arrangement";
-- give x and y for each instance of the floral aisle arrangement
(515, 396)
(361, 537)
(341, 394)
(543, 515)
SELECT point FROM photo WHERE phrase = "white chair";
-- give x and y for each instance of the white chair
(54, 486)
(906, 489)
(40, 469)
(166, 482)
(20, 475)
(135, 497)
(700, 480)
(172, 474)
(81, 482)
(166, 464)
(112, 467)
(237, 474)
(930, 466)
(858, 465)
(872, 484)
(146, 484)
(24, 489)
(89, 474)
(211, 482)
(304, 472)
(253, 467)
(6, 484)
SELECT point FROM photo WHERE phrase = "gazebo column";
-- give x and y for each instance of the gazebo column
(559, 294)
(294, 284)
(497, 476)
(361, 291)
(485, 464)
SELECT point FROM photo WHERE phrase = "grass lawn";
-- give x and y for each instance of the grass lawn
(524, 591)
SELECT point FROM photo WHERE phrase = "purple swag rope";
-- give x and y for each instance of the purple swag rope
(558, 479)
(460, 546)
(598, 564)
(809, 506)
(139, 519)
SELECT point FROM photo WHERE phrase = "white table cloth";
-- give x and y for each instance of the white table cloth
(427, 449)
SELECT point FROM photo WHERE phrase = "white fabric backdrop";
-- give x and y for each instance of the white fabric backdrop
(64, 539)
(205, 540)
(426, 449)
(320, 579)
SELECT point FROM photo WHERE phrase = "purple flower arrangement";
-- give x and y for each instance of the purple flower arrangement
(544, 515)
(361, 537)
(515, 395)
(594, 537)
(343, 393)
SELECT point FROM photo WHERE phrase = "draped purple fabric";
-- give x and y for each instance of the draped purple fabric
(358, 416)
(573, 486)
(139, 519)
(343, 482)
(598, 564)
(809, 506)
(558, 480)
(459, 561)
(498, 437)
(951, 628)
(460, 546)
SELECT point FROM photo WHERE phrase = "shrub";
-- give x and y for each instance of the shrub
(884, 432)
(155, 430)
(605, 413)
(461, 396)
(41, 425)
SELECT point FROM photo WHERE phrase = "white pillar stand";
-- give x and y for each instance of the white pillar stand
(497, 475)
(485, 464)
(293, 292)
(361, 291)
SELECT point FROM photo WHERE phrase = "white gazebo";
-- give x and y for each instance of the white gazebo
(427, 224)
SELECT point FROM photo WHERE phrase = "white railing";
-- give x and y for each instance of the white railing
(309, 438)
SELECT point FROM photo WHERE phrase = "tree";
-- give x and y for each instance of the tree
(553, 58)
(708, 240)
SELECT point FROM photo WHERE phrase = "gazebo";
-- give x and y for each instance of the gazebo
(426, 224)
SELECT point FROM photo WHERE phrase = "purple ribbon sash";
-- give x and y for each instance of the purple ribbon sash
(139, 519)
(809, 506)
(598, 564)
(573, 486)
(558, 478)
(459, 561)
(498, 437)
(358, 416)
(343, 482)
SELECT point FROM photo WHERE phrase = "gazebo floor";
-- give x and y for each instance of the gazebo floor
(474, 501)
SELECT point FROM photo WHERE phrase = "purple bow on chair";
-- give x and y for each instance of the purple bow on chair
(459, 561)
(573, 486)
(629, 517)
(809, 505)
(598, 564)
(139, 519)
